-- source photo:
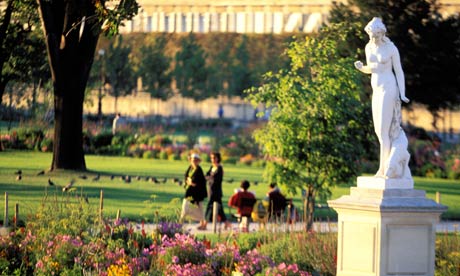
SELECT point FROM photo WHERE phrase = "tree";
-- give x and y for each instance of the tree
(119, 69)
(190, 70)
(19, 36)
(313, 139)
(218, 49)
(241, 78)
(154, 68)
(428, 45)
(71, 30)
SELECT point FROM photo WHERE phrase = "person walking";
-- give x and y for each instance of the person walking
(214, 177)
(195, 188)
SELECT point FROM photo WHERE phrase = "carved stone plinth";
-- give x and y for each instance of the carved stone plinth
(371, 182)
(386, 231)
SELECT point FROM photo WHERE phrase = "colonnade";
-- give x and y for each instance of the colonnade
(240, 22)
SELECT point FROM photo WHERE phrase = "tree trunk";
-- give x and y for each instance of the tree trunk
(7, 12)
(2, 90)
(71, 43)
(310, 207)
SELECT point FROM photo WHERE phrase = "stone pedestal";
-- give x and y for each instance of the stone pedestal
(385, 230)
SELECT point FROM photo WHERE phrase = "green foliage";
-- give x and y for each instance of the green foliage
(310, 251)
(119, 69)
(453, 162)
(190, 70)
(154, 68)
(242, 78)
(317, 124)
(447, 255)
(21, 39)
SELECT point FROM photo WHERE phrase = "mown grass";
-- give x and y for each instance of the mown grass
(144, 200)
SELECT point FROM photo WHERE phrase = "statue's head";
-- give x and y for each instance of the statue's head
(375, 25)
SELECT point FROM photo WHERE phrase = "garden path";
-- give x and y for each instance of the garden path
(322, 227)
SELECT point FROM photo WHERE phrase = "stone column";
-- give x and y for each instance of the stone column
(206, 22)
(278, 22)
(188, 22)
(179, 22)
(241, 22)
(214, 22)
(250, 22)
(196, 22)
(259, 22)
(171, 22)
(386, 228)
(155, 22)
(223, 24)
(161, 21)
(231, 22)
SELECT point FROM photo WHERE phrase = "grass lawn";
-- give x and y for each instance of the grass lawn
(142, 199)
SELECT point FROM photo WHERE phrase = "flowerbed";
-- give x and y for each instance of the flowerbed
(66, 237)
(119, 250)
(73, 241)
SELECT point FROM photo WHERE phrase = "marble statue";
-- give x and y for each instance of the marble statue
(388, 89)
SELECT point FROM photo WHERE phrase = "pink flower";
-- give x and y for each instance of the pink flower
(175, 259)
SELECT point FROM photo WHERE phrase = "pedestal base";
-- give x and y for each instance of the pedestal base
(386, 232)
(373, 182)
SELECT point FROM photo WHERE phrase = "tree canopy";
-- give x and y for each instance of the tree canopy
(21, 38)
(118, 68)
(190, 69)
(154, 68)
(313, 139)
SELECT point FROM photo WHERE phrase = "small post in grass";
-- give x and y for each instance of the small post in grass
(5, 219)
(16, 215)
(214, 216)
(101, 204)
(118, 214)
(438, 197)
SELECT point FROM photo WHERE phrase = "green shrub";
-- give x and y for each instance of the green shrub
(163, 155)
(102, 139)
(447, 255)
(28, 138)
(46, 145)
(453, 162)
(149, 154)
(310, 251)
(174, 156)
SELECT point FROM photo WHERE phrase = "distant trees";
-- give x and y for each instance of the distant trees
(200, 66)
(155, 69)
(429, 46)
(21, 39)
(118, 68)
(241, 77)
(190, 71)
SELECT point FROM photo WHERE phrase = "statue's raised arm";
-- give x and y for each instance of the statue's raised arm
(388, 89)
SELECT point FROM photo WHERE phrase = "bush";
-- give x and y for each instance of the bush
(447, 255)
(163, 155)
(46, 145)
(149, 154)
(310, 251)
(453, 162)
(102, 139)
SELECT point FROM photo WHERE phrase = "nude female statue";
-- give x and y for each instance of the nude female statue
(382, 58)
